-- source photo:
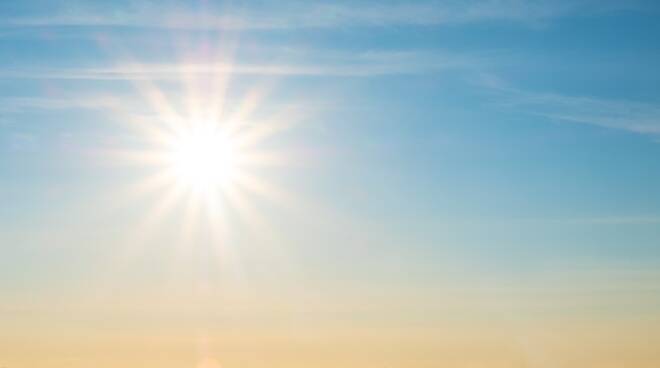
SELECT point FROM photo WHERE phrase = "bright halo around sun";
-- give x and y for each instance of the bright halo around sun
(203, 159)
(206, 156)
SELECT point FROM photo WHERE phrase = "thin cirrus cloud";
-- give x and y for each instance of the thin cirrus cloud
(299, 63)
(20, 104)
(632, 116)
(283, 15)
(331, 64)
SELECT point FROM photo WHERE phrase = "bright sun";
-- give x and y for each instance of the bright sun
(203, 159)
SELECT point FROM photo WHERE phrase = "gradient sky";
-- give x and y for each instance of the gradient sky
(451, 184)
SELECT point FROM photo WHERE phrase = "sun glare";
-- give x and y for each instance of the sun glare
(203, 159)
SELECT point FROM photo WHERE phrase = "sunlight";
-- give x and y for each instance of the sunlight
(205, 154)
(203, 159)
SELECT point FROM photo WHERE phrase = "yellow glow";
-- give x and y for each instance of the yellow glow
(203, 158)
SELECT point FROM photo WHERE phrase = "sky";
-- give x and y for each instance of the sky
(412, 184)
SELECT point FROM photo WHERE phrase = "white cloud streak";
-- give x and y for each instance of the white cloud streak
(19, 104)
(285, 15)
(324, 64)
(631, 116)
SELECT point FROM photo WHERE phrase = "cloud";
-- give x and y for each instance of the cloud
(374, 63)
(631, 116)
(635, 220)
(599, 220)
(19, 104)
(300, 14)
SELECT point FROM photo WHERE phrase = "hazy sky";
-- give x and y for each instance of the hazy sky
(434, 184)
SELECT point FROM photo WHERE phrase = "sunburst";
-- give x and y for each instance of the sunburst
(204, 157)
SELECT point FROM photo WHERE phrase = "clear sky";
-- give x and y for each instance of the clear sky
(333, 184)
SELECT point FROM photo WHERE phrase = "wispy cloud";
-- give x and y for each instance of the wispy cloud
(324, 64)
(294, 14)
(18, 104)
(597, 220)
(632, 116)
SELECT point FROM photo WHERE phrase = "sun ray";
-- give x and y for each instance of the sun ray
(282, 121)
(220, 82)
(267, 190)
(161, 208)
(267, 158)
(247, 106)
(203, 144)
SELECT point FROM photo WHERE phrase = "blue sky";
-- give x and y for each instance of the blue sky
(487, 145)
(430, 111)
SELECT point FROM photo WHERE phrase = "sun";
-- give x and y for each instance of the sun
(206, 157)
(203, 158)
